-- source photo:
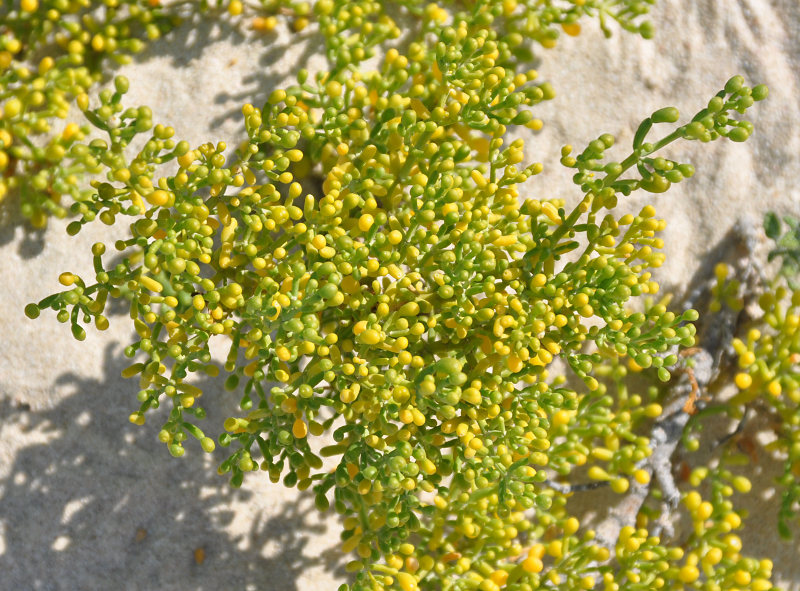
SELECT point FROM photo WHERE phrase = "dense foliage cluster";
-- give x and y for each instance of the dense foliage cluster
(394, 298)
(52, 51)
(767, 351)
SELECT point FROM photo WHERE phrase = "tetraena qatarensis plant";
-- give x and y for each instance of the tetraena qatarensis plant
(52, 51)
(412, 305)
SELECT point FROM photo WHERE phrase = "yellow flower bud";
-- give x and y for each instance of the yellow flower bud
(743, 381)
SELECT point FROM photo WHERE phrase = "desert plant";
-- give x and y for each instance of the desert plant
(55, 50)
(50, 52)
(396, 325)
(767, 350)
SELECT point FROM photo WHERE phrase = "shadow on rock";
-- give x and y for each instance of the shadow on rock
(94, 502)
(12, 221)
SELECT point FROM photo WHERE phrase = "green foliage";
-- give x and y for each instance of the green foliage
(408, 308)
(79, 37)
(768, 351)
(787, 246)
(76, 39)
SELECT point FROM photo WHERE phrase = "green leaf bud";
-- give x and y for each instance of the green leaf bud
(328, 291)
(121, 84)
(548, 92)
(449, 366)
(716, 104)
(665, 115)
(321, 502)
(738, 134)
(734, 84)
(655, 184)
(647, 30)
(760, 92)
(694, 130)
(673, 176)
(78, 332)
(690, 315)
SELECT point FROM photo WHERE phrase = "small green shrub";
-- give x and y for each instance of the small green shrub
(400, 320)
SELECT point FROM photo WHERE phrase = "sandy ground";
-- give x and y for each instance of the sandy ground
(88, 501)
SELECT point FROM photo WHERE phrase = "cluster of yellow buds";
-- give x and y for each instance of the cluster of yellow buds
(411, 304)
(767, 350)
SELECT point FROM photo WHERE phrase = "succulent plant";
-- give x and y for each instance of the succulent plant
(395, 300)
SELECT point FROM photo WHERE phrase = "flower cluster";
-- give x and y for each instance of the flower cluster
(79, 37)
(52, 51)
(411, 304)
